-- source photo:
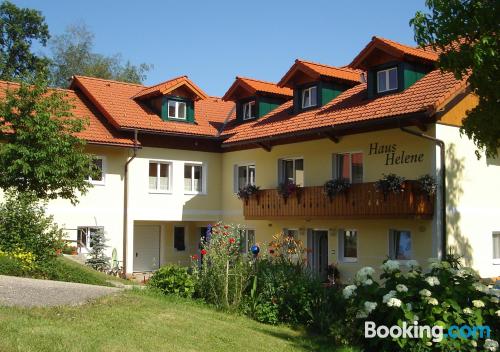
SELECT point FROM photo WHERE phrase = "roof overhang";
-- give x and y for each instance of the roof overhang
(296, 69)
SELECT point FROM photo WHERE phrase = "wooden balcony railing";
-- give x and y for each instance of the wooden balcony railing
(361, 201)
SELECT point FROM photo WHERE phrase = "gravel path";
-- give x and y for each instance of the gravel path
(19, 291)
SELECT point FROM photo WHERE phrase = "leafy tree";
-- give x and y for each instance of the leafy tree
(42, 155)
(72, 55)
(98, 259)
(18, 29)
(472, 29)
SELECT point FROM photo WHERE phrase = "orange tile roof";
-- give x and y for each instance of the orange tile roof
(255, 85)
(168, 86)
(316, 69)
(98, 130)
(394, 48)
(116, 101)
(352, 106)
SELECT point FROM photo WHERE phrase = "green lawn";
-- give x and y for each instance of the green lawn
(143, 321)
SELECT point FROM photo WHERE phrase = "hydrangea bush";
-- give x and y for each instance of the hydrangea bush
(442, 295)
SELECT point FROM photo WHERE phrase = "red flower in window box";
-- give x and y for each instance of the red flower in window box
(203, 251)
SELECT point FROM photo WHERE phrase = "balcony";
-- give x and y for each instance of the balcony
(361, 201)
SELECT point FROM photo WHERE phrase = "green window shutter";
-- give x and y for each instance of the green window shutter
(190, 111)
(164, 108)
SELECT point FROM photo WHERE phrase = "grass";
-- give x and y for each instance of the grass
(144, 321)
(61, 269)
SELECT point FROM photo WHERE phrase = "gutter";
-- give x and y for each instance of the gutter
(125, 203)
(441, 146)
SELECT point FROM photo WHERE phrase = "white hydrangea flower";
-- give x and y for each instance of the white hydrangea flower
(498, 313)
(467, 311)
(361, 314)
(388, 296)
(478, 303)
(425, 293)
(390, 266)
(409, 306)
(490, 345)
(494, 292)
(401, 288)
(412, 274)
(480, 287)
(473, 343)
(367, 282)
(412, 264)
(432, 301)
(370, 306)
(365, 273)
(432, 280)
(434, 263)
(349, 291)
(494, 299)
(394, 302)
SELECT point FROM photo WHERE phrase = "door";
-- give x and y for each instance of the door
(318, 256)
(146, 248)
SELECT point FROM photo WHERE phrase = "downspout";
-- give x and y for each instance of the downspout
(125, 204)
(441, 146)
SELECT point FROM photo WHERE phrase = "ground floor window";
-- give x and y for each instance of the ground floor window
(496, 247)
(85, 234)
(294, 233)
(179, 238)
(247, 240)
(400, 245)
(348, 245)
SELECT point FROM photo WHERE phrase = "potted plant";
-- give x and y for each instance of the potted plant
(390, 183)
(247, 191)
(427, 185)
(336, 186)
(288, 188)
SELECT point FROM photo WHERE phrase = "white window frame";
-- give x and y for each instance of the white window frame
(294, 159)
(249, 107)
(203, 177)
(386, 77)
(310, 104)
(88, 234)
(101, 182)
(244, 233)
(341, 256)
(177, 103)
(496, 261)
(170, 173)
(412, 255)
(334, 167)
(236, 175)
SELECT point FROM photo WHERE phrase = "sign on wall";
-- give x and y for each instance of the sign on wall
(394, 156)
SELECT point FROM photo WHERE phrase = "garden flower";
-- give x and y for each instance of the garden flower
(349, 291)
(432, 280)
(490, 345)
(473, 343)
(401, 288)
(394, 302)
(194, 257)
(388, 296)
(494, 299)
(365, 273)
(390, 266)
(231, 240)
(370, 306)
(203, 251)
(467, 311)
(425, 293)
(432, 301)
(494, 292)
(412, 264)
(478, 303)
(498, 313)
(367, 282)
(361, 314)
(480, 287)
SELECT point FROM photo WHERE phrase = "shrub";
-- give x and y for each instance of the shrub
(443, 296)
(336, 186)
(10, 266)
(25, 227)
(173, 280)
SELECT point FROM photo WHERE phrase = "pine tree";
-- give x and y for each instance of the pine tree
(98, 259)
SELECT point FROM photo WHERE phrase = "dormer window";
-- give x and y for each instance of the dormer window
(176, 110)
(387, 80)
(249, 110)
(309, 97)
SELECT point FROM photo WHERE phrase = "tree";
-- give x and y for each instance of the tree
(466, 33)
(98, 259)
(42, 155)
(19, 28)
(72, 55)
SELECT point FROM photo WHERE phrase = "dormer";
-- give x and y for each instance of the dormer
(314, 85)
(255, 98)
(392, 67)
(173, 100)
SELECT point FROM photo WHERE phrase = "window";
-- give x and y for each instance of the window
(159, 176)
(249, 110)
(98, 164)
(294, 233)
(176, 109)
(179, 238)
(193, 182)
(387, 80)
(85, 234)
(348, 166)
(244, 176)
(309, 97)
(496, 247)
(348, 245)
(247, 240)
(292, 169)
(400, 245)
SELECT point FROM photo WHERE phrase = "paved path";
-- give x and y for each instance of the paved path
(19, 291)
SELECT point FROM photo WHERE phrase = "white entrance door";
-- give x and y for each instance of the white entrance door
(146, 247)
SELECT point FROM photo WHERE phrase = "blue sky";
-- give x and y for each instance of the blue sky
(213, 41)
